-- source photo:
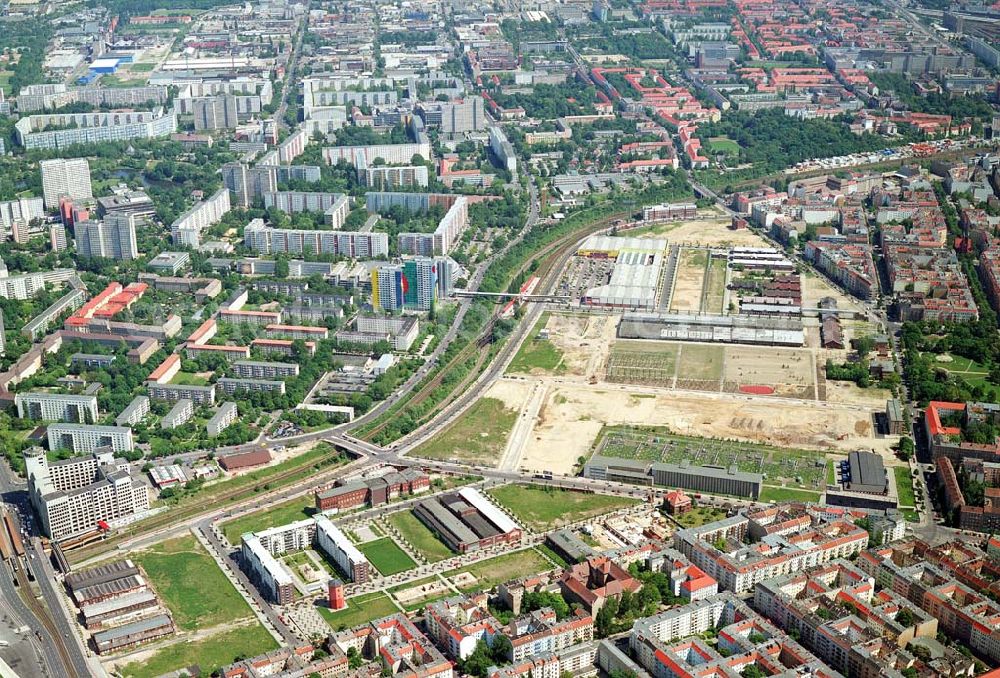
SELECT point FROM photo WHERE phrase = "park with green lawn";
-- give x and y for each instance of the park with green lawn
(489, 573)
(386, 556)
(419, 536)
(359, 610)
(545, 508)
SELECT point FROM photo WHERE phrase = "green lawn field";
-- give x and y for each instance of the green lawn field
(702, 515)
(723, 145)
(359, 610)
(544, 508)
(478, 437)
(191, 584)
(489, 573)
(778, 494)
(537, 355)
(386, 556)
(210, 653)
(419, 536)
(904, 485)
(281, 514)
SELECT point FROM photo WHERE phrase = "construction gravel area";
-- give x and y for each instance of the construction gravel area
(689, 280)
(711, 229)
(572, 415)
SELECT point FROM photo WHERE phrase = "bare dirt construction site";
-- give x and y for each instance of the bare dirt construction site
(710, 229)
(584, 341)
(572, 415)
(689, 280)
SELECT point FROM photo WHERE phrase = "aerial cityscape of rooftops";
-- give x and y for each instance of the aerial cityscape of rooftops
(536, 339)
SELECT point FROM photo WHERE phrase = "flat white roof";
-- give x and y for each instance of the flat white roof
(340, 539)
(488, 509)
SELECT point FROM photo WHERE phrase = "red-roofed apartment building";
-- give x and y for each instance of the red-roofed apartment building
(593, 581)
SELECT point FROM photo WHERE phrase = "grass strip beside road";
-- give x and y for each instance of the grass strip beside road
(478, 437)
(779, 494)
(904, 485)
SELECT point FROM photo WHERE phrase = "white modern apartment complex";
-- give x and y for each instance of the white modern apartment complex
(89, 438)
(76, 495)
(66, 407)
(27, 285)
(112, 238)
(70, 178)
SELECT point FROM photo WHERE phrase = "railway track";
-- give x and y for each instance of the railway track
(553, 257)
(214, 501)
(39, 612)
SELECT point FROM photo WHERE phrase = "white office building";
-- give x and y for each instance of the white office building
(77, 495)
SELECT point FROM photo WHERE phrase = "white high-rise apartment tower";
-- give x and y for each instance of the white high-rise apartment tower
(65, 177)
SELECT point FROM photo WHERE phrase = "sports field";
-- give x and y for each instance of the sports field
(546, 508)
(477, 437)
(723, 145)
(386, 556)
(191, 585)
(805, 469)
(779, 494)
(419, 536)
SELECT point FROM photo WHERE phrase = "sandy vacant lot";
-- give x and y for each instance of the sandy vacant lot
(844, 392)
(584, 341)
(709, 231)
(815, 287)
(753, 365)
(689, 279)
(572, 416)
